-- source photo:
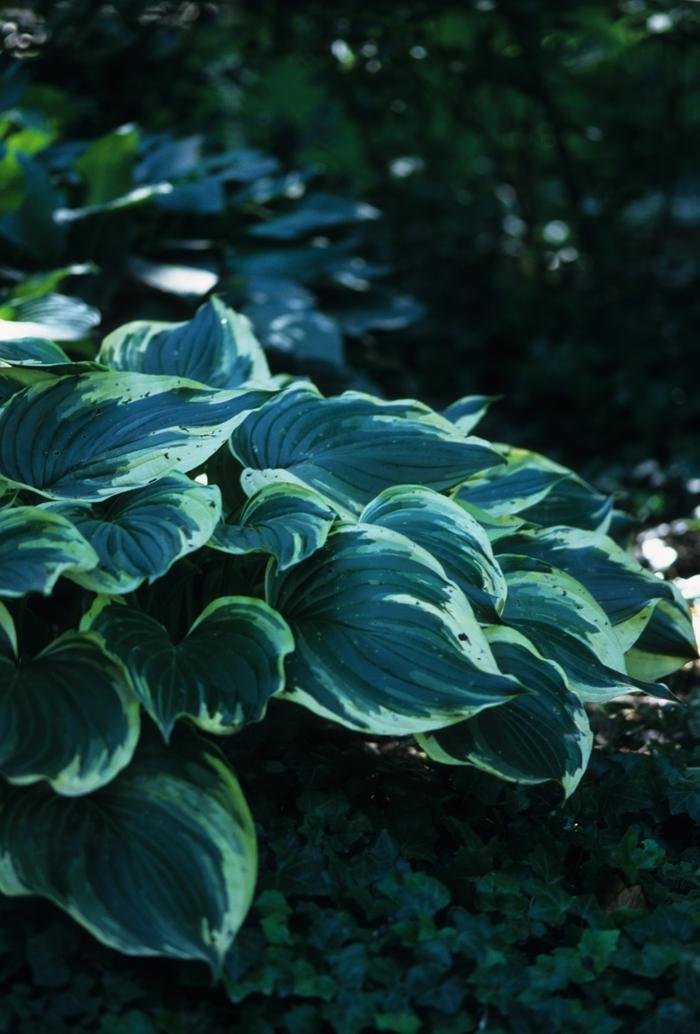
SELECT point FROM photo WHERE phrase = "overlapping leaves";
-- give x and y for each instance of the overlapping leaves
(371, 561)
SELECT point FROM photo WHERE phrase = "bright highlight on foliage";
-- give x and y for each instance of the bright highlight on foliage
(218, 545)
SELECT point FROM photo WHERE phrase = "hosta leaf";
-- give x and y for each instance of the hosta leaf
(217, 347)
(31, 351)
(8, 635)
(289, 522)
(221, 675)
(304, 333)
(468, 411)
(189, 280)
(92, 436)
(614, 578)
(160, 862)
(36, 548)
(138, 536)
(62, 317)
(107, 164)
(451, 535)
(68, 716)
(384, 643)
(541, 735)
(537, 489)
(565, 623)
(14, 379)
(315, 212)
(667, 642)
(351, 447)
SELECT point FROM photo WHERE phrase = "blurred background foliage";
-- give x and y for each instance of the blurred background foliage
(535, 164)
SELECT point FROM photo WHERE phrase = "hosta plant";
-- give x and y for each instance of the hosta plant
(187, 541)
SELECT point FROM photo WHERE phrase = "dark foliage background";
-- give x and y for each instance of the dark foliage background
(536, 164)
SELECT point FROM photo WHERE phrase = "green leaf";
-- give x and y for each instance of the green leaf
(313, 213)
(139, 535)
(351, 447)
(667, 642)
(221, 675)
(613, 577)
(95, 435)
(289, 522)
(36, 548)
(536, 488)
(539, 736)
(39, 284)
(69, 716)
(566, 624)
(56, 316)
(191, 280)
(306, 334)
(468, 411)
(31, 351)
(160, 862)
(384, 643)
(216, 347)
(451, 535)
(107, 164)
(32, 226)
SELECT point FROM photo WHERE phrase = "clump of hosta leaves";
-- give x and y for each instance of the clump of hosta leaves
(186, 541)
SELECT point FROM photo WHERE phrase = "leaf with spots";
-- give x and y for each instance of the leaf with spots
(95, 435)
(139, 535)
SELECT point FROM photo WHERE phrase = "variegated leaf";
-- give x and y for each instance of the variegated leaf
(139, 535)
(351, 447)
(538, 490)
(384, 642)
(287, 521)
(31, 351)
(36, 548)
(451, 535)
(95, 435)
(216, 347)
(68, 715)
(667, 642)
(221, 675)
(542, 735)
(469, 410)
(614, 578)
(565, 623)
(160, 862)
